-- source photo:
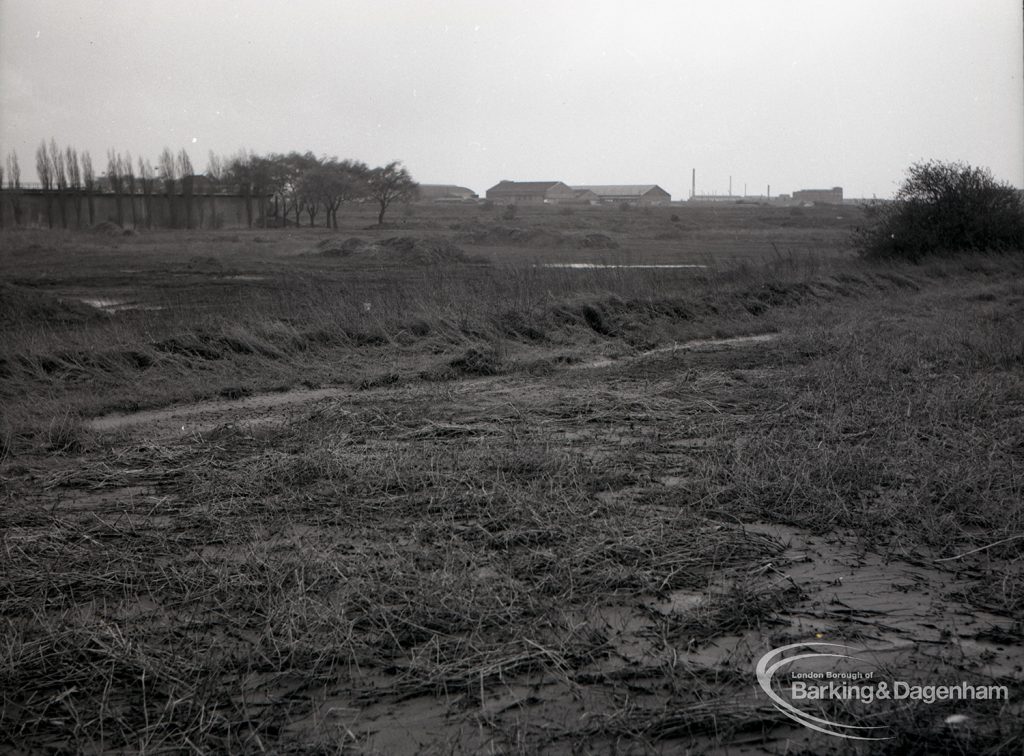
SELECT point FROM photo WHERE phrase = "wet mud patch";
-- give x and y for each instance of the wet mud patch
(906, 608)
(687, 657)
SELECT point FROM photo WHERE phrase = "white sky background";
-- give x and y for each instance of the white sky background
(792, 93)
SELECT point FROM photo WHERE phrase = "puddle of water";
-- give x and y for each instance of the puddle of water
(117, 305)
(734, 342)
(898, 608)
(102, 304)
(246, 277)
(608, 266)
(205, 415)
(905, 616)
(147, 308)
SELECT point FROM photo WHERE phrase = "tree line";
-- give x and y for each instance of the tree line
(277, 189)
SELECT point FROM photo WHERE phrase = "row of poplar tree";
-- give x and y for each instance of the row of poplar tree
(280, 189)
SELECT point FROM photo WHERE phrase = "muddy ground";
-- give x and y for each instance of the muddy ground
(586, 558)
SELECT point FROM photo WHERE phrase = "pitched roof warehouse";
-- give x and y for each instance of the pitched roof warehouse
(557, 191)
(639, 193)
(528, 192)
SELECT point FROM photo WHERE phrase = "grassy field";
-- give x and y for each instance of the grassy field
(277, 491)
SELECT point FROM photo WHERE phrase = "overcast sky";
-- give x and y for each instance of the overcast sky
(791, 93)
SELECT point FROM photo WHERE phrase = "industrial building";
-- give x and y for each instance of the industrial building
(833, 196)
(446, 193)
(633, 194)
(530, 192)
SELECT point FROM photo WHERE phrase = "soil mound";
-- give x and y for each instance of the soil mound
(481, 233)
(205, 264)
(407, 250)
(109, 228)
(340, 247)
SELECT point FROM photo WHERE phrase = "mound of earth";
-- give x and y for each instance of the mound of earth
(480, 233)
(205, 264)
(340, 247)
(594, 241)
(407, 250)
(109, 228)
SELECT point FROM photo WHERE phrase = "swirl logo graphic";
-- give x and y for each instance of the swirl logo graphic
(773, 661)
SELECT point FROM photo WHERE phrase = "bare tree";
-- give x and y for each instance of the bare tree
(74, 182)
(239, 174)
(187, 174)
(60, 178)
(251, 176)
(114, 180)
(168, 168)
(215, 168)
(89, 183)
(146, 180)
(44, 168)
(128, 181)
(14, 185)
(388, 184)
(216, 176)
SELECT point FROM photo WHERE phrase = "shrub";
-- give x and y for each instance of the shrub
(509, 213)
(945, 208)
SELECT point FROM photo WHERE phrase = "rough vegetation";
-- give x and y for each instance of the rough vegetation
(409, 250)
(318, 504)
(484, 233)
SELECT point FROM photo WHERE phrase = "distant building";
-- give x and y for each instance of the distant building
(633, 194)
(585, 196)
(446, 193)
(734, 198)
(530, 193)
(833, 196)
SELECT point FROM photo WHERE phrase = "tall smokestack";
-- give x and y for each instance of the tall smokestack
(693, 184)
(730, 186)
